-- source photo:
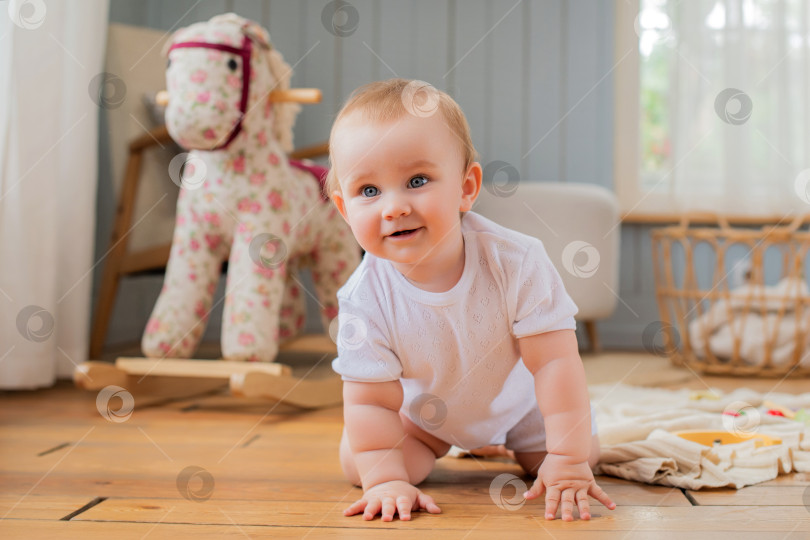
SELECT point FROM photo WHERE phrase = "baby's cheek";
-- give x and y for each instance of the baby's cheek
(361, 226)
(364, 239)
(366, 236)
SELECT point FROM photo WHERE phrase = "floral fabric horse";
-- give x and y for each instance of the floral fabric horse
(241, 199)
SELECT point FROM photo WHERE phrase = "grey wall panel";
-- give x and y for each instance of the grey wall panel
(305, 48)
(179, 13)
(318, 65)
(414, 38)
(132, 13)
(359, 61)
(545, 81)
(505, 83)
(399, 33)
(252, 9)
(466, 76)
(585, 146)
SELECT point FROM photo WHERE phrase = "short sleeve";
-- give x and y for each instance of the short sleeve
(364, 351)
(542, 303)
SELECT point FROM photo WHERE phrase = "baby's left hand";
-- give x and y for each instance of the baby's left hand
(569, 482)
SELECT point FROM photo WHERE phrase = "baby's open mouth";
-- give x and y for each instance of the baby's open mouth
(404, 232)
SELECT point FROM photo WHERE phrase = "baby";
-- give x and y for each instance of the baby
(453, 329)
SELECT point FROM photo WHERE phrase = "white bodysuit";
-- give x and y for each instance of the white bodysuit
(456, 352)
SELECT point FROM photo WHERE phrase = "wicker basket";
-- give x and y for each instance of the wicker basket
(759, 326)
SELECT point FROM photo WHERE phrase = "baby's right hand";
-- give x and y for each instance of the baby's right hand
(389, 498)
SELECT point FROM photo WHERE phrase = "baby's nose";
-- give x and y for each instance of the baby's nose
(395, 207)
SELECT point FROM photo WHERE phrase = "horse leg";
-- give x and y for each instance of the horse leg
(179, 317)
(250, 324)
(293, 305)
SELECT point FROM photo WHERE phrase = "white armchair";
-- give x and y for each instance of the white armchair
(579, 227)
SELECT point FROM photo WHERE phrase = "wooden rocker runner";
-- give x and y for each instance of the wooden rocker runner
(167, 379)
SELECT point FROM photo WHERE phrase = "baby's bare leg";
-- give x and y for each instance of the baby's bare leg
(531, 461)
(420, 450)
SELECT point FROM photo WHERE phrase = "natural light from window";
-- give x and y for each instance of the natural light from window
(723, 109)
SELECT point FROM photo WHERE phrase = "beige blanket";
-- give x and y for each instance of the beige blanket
(636, 424)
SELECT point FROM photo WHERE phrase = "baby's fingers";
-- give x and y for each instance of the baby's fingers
(372, 509)
(599, 494)
(404, 507)
(426, 502)
(536, 490)
(567, 505)
(355, 508)
(388, 509)
(552, 502)
(583, 504)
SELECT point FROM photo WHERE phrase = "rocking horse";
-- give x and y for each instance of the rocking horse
(241, 199)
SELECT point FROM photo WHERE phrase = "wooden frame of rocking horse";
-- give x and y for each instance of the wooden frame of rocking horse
(154, 379)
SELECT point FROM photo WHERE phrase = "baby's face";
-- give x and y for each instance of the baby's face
(403, 184)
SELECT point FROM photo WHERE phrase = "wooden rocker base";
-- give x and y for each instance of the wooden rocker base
(154, 380)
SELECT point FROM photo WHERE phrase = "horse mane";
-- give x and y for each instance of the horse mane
(283, 113)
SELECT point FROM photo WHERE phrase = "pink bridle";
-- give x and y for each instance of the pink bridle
(244, 52)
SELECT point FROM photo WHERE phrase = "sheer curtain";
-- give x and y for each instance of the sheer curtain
(738, 105)
(50, 54)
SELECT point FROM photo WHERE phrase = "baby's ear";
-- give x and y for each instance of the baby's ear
(340, 204)
(470, 186)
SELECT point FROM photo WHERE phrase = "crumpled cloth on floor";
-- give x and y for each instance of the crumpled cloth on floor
(635, 432)
(757, 328)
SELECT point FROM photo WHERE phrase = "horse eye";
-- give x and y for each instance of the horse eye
(232, 65)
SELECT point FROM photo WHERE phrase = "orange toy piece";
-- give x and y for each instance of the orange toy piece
(710, 438)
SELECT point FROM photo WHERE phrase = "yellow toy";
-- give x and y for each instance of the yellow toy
(710, 438)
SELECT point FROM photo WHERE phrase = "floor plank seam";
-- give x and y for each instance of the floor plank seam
(689, 497)
(250, 440)
(54, 449)
(85, 508)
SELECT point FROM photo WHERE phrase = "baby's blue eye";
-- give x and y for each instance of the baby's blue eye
(370, 191)
(417, 181)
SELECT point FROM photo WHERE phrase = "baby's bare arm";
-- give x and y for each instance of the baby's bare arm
(374, 430)
(376, 436)
(562, 394)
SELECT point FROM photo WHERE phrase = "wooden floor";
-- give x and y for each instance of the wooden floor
(216, 467)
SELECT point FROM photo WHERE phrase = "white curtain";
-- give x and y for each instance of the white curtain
(738, 104)
(50, 53)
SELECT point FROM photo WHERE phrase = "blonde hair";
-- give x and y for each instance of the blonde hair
(385, 101)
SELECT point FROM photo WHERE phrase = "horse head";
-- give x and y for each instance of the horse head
(220, 74)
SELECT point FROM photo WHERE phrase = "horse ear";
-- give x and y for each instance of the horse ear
(169, 42)
(257, 34)
(283, 113)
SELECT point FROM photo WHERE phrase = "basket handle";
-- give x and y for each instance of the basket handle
(688, 217)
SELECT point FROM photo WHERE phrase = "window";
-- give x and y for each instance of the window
(712, 106)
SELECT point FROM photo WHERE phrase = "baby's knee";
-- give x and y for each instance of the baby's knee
(531, 461)
(419, 459)
(347, 462)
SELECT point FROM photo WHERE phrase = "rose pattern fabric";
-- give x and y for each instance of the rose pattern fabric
(243, 203)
